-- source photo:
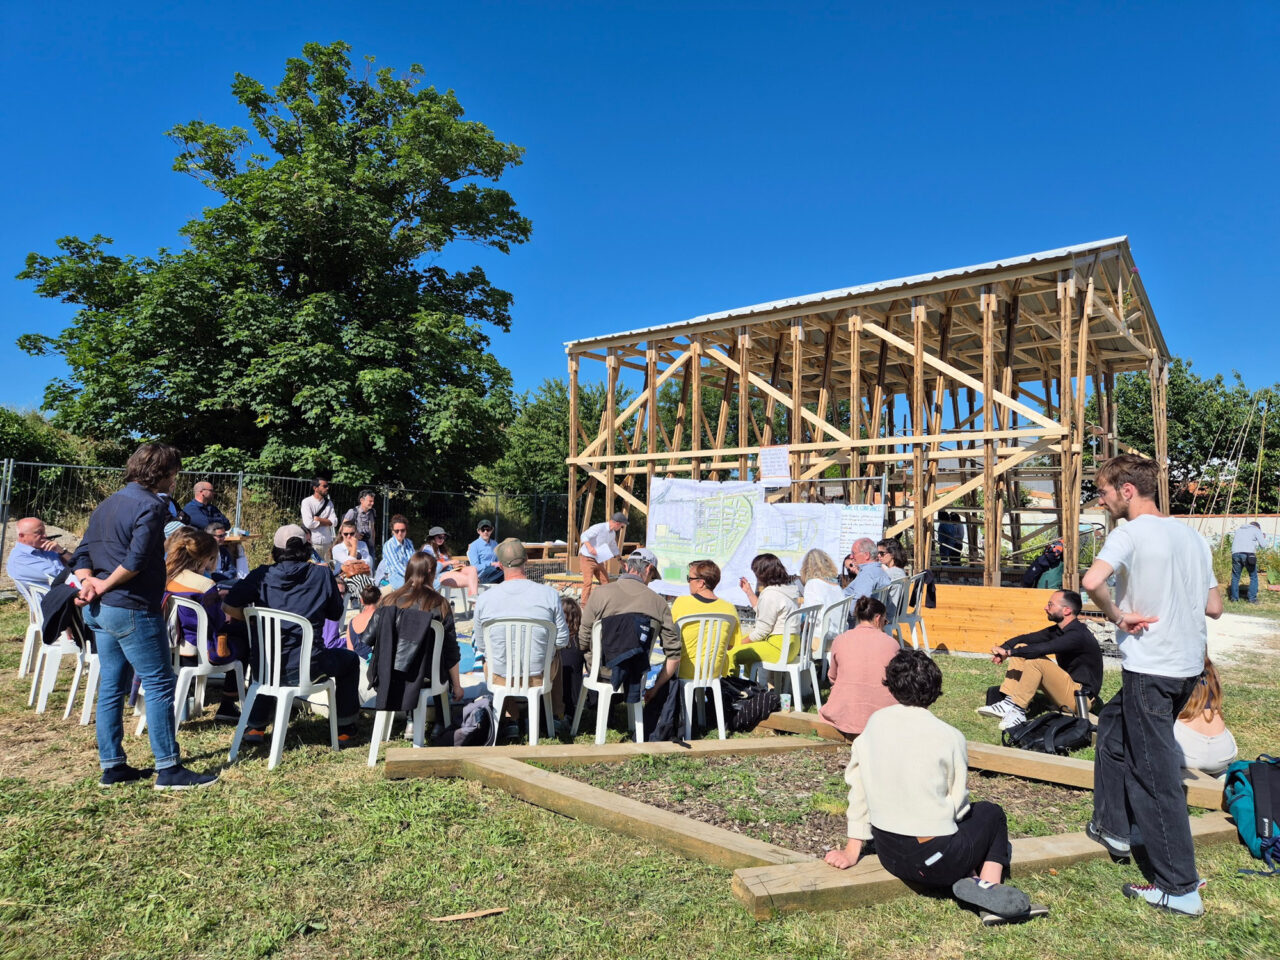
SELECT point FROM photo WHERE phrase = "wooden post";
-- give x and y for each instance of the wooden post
(727, 386)
(774, 372)
(1157, 373)
(744, 400)
(918, 312)
(855, 403)
(572, 550)
(611, 414)
(651, 434)
(796, 424)
(695, 400)
(1066, 312)
(682, 409)
(991, 547)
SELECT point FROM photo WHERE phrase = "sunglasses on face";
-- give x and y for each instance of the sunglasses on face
(348, 533)
(882, 553)
(399, 530)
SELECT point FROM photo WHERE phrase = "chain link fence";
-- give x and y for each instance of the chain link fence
(64, 495)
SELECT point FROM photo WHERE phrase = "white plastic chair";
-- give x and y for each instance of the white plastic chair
(384, 719)
(457, 597)
(895, 602)
(34, 620)
(913, 618)
(268, 679)
(517, 636)
(797, 634)
(833, 621)
(204, 668)
(604, 696)
(48, 657)
(715, 630)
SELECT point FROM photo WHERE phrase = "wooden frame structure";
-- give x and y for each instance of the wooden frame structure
(992, 367)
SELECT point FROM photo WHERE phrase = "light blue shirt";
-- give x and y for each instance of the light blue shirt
(30, 565)
(395, 555)
(1248, 539)
(871, 577)
(519, 598)
(482, 554)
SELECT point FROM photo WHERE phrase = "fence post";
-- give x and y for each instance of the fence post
(497, 513)
(239, 497)
(386, 506)
(6, 485)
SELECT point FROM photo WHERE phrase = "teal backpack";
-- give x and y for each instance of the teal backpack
(1252, 797)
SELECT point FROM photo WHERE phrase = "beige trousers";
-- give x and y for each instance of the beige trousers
(1022, 677)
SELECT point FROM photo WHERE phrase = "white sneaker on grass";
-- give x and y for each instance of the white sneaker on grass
(1015, 717)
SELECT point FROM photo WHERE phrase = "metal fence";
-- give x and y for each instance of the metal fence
(64, 495)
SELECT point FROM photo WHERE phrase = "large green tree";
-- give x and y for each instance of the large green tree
(305, 325)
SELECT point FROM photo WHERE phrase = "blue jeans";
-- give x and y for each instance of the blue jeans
(1239, 563)
(1137, 776)
(136, 639)
(491, 575)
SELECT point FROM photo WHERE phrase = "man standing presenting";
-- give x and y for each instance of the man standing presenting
(35, 557)
(1244, 556)
(483, 557)
(319, 518)
(599, 543)
(1164, 589)
(202, 510)
(1028, 667)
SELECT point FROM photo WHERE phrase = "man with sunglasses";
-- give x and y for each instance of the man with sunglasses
(395, 554)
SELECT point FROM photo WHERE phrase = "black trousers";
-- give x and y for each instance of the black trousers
(980, 837)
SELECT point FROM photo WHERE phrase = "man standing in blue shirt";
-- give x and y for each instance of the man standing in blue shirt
(202, 510)
(120, 566)
(35, 558)
(484, 556)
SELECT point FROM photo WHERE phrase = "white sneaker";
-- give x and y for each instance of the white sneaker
(1000, 709)
(1013, 717)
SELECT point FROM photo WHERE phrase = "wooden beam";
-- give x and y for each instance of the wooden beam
(991, 535)
(919, 540)
(855, 395)
(796, 422)
(695, 393)
(603, 438)
(611, 417)
(574, 428)
(744, 402)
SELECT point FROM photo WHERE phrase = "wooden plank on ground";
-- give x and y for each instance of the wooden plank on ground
(447, 761)
(681, 835)
(1202, 789)
(813, 885)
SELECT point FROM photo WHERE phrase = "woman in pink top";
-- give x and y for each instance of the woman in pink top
(858, 660)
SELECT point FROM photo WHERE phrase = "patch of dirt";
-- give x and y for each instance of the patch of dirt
(797, 800)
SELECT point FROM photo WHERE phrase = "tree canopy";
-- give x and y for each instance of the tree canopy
(305, 326)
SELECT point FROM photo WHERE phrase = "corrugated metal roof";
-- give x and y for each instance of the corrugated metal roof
(845, 293)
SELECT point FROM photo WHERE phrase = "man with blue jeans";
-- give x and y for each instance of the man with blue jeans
(1165, 588)
(120, 566)
(1244, 556)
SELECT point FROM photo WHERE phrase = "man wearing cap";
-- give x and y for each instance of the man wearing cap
(202, 510)
(630, 593)
(599, 543)
(518, 596)
(483, 557)
(1244, 556)
(35, 557)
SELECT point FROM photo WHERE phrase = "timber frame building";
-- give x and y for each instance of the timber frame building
(990, 368)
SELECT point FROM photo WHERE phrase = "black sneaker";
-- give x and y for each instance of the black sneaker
(123, 773)
(347, 735)
(180, 778)
(228, 712)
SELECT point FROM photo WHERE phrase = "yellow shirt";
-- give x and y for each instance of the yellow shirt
(690, 606)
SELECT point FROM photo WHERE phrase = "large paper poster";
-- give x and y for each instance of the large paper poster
(731, 522)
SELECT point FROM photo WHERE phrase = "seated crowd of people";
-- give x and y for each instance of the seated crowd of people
(907, 771)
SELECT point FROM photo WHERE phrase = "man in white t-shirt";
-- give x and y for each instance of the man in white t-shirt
(599, 544)
(1164, 589)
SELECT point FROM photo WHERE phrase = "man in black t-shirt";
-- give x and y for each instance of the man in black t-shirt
(1028, 667)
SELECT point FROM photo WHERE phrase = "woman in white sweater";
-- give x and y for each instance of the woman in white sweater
(773, 597)
(908, 792)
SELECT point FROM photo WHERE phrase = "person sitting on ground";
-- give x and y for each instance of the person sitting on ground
(630, 593)
(201, 510)
(859, 658)
(1078, 665)
(481, 553)
(777, 596)
(518, 596)
(363, 516)
(820, 579)
(1201, 731)
(703, 577)
(232, 563)
(417, 594)
(395, 554)
(36, 557)
(868, 575)
(190, 556)
(908, 774)
(1045, 572)
(449, 572)
(296, 585)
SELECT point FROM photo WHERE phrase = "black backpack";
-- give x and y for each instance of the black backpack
(747, 703)
(1057, 733)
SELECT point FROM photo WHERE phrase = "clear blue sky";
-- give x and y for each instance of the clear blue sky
(687, 158)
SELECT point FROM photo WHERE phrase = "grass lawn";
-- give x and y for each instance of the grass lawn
(325, 858)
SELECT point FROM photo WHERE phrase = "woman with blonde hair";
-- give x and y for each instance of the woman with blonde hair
(190, 556)
(820, 579)
(1201, 731)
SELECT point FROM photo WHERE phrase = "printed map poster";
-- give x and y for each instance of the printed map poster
(700, 520)
(791, 530)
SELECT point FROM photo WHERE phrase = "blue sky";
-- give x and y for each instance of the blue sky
(687, 158)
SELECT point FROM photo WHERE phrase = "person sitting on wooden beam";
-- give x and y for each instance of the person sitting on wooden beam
(1028, 667)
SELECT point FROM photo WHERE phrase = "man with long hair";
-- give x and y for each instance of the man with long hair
(120, 567)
